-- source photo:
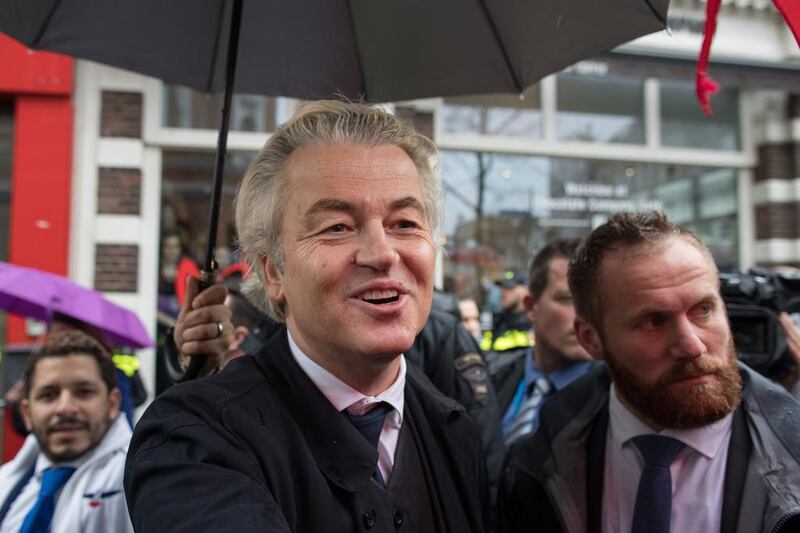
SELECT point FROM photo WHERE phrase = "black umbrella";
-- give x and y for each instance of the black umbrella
(376, 50)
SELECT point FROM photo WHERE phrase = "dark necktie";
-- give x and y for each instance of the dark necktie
(41, 514)
(527, 417)
(370, 425)
(654, 498)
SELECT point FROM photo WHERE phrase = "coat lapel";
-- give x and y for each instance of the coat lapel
(341, 453)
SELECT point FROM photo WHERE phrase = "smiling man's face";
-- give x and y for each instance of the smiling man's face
(69, 407)
(358, 255)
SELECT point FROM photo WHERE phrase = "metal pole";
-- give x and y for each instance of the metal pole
(209, 272)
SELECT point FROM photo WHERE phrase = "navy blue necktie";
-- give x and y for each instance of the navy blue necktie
(370, 425)
(653, 509)
(41, 514)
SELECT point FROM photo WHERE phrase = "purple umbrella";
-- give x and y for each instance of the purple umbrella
(42, 295)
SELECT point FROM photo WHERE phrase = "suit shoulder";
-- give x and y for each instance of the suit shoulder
(209, 396)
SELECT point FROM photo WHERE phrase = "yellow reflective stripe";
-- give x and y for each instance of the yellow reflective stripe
(509, 340)
(486, 341)
(129, 364)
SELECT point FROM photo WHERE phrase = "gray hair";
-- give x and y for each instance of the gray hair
(261, 197)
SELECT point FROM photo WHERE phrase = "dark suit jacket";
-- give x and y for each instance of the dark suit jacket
(554, 478)
(259, 448)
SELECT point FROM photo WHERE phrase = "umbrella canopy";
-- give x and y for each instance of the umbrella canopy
(377, 50)
(380, 50)
(41, 295)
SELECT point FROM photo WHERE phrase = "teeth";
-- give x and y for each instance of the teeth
(379, 295)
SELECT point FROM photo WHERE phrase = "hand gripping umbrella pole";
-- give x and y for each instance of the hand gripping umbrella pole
(209, 272)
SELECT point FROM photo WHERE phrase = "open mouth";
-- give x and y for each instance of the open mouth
(381, 297)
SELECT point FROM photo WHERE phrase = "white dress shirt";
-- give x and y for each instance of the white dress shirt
(344, 397)
(27, 498)
(698, 474)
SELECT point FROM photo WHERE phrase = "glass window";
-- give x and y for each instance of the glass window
(502, 115)
(500, 209)
(186, 196)
(595, 109)
(684, 124)
(187, 108)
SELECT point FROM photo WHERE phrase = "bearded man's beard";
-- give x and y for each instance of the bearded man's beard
(686, 407)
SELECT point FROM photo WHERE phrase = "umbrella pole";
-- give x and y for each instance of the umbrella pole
(210, 265)
(209, 272)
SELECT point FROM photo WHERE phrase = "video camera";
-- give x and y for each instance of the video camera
(754, 301)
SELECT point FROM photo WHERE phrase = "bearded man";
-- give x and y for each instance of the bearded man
(671, 434)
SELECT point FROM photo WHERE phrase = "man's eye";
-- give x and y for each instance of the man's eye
(654, 321)
(705, 309)
(407, 224)
(337, 228)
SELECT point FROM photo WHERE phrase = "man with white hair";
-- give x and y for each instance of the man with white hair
(326, 428)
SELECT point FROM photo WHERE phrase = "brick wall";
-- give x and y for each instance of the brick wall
(121, 114)
(779, 218)
(116, 267)
(778, 221)
(119, 191)
(776, 162)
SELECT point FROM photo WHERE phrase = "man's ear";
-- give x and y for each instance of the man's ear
(273, 280)
(588, 337)
(114, 403)
(25, 411)
(240, 333)
(531, 308)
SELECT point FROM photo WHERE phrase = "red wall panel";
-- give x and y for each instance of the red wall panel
(25, 71)
(40, 85)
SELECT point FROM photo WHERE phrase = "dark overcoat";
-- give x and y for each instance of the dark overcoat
(259, 448)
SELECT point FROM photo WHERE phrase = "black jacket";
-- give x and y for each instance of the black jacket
(506, 370)
(554, 479)
(450, 358)
(259, 448)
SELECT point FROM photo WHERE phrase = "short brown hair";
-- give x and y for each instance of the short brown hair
(64, 343)
(622, 229)
(539, 271)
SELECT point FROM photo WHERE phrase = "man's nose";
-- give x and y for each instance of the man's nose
(66, 402)
(376, 249)
(686, 342)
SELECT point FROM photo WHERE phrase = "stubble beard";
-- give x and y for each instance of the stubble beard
(687, 407)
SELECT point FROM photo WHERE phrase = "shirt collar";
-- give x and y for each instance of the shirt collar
(707, 440)
(342, 395)
(559, 378)
(43, 462)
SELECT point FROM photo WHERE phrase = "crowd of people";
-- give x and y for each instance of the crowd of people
(343, 394)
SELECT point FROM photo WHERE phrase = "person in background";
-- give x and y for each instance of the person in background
(671, 434)
(510, 336)
(68, 474)
(326, 428)
(470, 317)
(525, 382)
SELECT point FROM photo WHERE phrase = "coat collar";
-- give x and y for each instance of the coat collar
(338, 448)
